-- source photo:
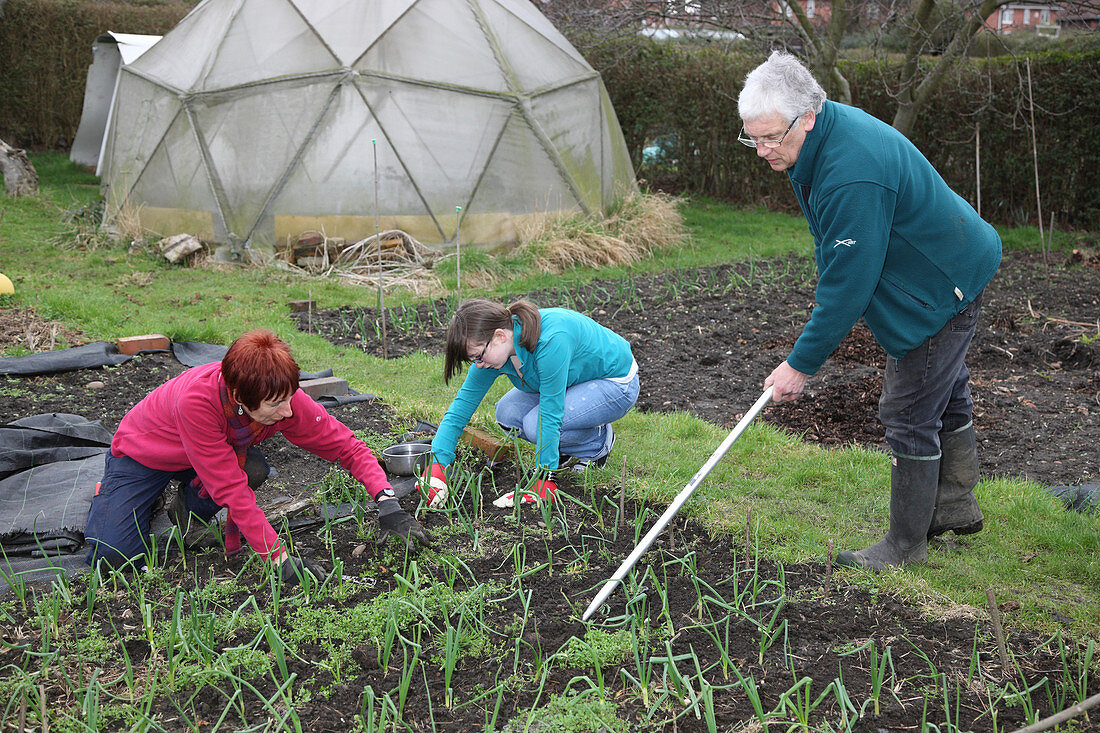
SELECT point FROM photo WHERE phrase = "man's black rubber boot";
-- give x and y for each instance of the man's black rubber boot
(957, 509)
(913, 485)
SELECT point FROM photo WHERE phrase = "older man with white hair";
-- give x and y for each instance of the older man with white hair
(895, 246)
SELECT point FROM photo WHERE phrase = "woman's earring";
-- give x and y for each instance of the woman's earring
(240, 410)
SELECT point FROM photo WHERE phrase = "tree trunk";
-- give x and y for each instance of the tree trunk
(20, 178)
(915, 94)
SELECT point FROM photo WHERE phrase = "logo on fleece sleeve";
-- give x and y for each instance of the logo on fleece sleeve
(845, 242)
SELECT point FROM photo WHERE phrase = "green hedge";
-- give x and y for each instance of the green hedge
(45, 52)
(687, 94)
(690, 96)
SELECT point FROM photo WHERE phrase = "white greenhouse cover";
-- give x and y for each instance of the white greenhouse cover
(110, 52)
(253, 121)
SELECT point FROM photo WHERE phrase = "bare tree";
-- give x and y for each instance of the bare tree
(918, 85)
(823, 44)
(940, 30)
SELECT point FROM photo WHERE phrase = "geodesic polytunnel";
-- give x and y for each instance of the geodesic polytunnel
(255, 120)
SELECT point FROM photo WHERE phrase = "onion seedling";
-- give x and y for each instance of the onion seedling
(451, 647)
(748, 684)
(643, 665)
(406, 678)
(722, 645)
(800, 701)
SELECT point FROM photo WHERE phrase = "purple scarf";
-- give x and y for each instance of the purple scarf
(244, 432)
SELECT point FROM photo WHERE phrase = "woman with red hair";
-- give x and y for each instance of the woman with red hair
(201, 428)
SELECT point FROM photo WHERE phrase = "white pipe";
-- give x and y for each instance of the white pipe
(678, 502)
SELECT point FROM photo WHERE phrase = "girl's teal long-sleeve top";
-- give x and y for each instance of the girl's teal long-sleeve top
(572, 348)
(893, 243)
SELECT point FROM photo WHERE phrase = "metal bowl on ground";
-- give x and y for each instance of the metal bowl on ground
(407, 459)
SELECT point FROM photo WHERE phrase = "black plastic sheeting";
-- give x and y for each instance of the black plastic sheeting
(196, 353)
(99, 353)
(50, 465)
(1083, 498)
(41, 439)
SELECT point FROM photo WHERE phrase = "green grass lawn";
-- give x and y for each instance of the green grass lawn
(800, 495)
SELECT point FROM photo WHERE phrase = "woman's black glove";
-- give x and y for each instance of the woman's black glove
(393, 520)
(293, 569)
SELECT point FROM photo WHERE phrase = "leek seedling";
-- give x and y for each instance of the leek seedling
(684, 691)
(549, 554)
(451, 647)
(491, 721)
(878, 673)
(643, 665)
(89, 706)
(388, 637)
(975, 658)
(278, 649)
(15, 581)
(753, 694)
(1023, 697)
(91, 592)
(722, 645)
(1077, 679)
(844, 700)
(62, 591)
(519, 559)
(148, 622)
(770, 632)
(366, 711)
(406, 678)
(706, 693)
(952, 720)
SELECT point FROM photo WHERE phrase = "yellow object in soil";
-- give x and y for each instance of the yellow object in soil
(6, 288)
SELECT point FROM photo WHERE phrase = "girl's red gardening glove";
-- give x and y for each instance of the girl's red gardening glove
(433, 485)
(544, 489)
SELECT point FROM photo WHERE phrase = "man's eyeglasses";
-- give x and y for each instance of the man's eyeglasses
(478, 359)
(746, 140)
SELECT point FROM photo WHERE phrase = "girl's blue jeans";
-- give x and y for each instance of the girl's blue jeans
(590, 408)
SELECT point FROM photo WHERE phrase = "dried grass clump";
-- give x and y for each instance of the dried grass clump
(90, 228)
(127, 222)
(642, 224)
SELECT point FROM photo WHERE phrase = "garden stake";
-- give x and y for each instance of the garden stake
(995, 616)
(458, 252)
(378, 244)
(748, 538)
(678, 502)
(1043, 243)
(622, 493)
(978, 166)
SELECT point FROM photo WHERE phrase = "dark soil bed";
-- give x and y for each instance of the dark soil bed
(705, 340)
